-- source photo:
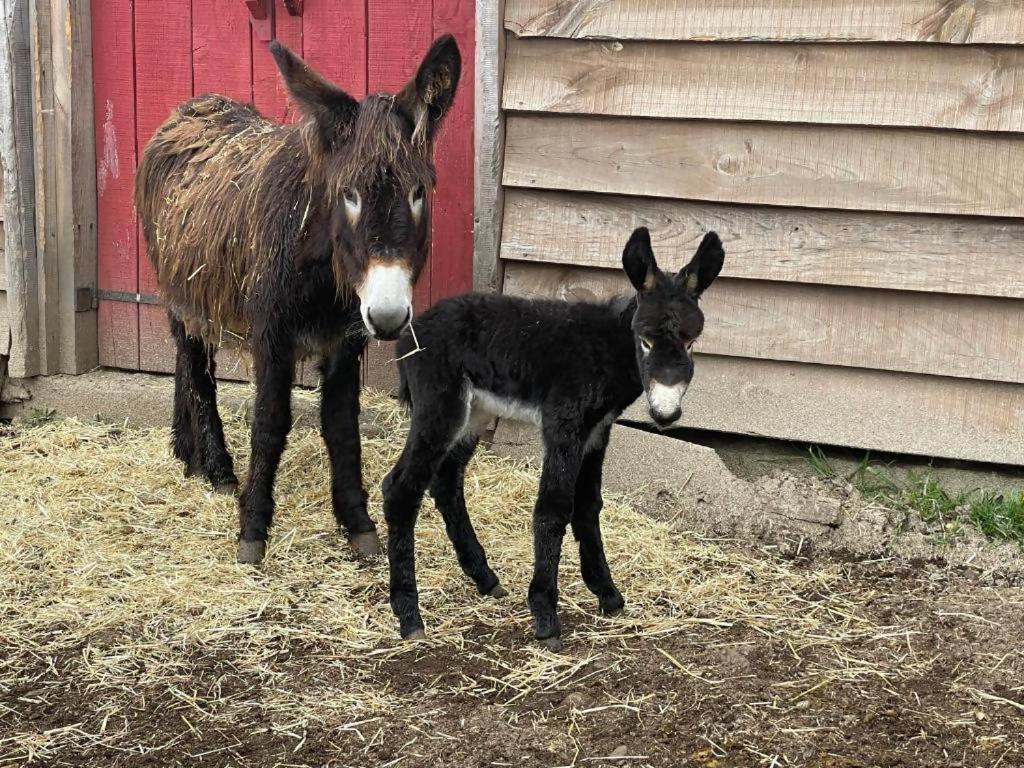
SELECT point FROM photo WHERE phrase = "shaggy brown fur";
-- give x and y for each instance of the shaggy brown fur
(222, 191)
(265, 234)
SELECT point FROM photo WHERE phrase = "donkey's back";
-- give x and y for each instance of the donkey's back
(215, 192)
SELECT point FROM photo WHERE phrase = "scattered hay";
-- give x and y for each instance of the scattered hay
(118, 587)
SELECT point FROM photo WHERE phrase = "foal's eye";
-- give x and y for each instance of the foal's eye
(646, 344)
(416, 195)
(351, 197)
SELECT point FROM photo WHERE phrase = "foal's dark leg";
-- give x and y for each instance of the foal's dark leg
(551, 515)
(339, 425)
(586, 527)
(272, 418)
(404, 486)
(198, 431)
(447, 490)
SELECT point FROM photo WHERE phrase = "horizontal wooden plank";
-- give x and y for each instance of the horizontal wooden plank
(961, 336)
(923, 415)
(885, 169)
(985, 21)
(972, 88)
(912, 252)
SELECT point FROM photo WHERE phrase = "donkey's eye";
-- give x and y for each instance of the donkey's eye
(646, 344)
(416, 196)
(351, 197)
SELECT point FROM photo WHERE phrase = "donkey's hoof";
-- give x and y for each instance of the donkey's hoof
(416, 634)
(553, 644)
(229, 488)
(614, 612)
(365, 544)
(498, 591)
(251, 552)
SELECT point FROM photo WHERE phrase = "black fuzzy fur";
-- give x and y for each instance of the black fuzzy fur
(580, 365)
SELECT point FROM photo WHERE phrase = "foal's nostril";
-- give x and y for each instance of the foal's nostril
(663, 420)
(387, 324)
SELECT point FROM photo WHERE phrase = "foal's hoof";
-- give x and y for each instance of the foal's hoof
(365, 544)
(498, 591)
(229, 488)
(553, 644)
(416, 634)
(251, 552)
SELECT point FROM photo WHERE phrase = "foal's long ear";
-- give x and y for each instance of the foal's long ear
(428, 96)
(331, 109)
(638, 260)
(704, 266)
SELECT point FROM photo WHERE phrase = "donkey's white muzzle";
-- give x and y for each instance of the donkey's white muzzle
(386, 300)
(665, 402)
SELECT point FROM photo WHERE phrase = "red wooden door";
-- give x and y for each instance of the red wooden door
(150, 55)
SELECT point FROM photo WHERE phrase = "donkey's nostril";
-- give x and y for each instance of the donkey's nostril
(387, 324)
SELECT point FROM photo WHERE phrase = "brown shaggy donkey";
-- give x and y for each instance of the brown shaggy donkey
(295, 240)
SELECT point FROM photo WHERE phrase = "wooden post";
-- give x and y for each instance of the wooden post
(18, 198)
(74, 180)
(47, 280)
(488, 200)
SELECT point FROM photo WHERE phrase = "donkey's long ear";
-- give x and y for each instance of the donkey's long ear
(331, 109)
(638, 260)
(429, 95)
(704, 266)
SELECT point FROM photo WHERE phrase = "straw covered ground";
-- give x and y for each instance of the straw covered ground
(129, 637)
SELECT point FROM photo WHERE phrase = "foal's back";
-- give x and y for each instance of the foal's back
(512, 347)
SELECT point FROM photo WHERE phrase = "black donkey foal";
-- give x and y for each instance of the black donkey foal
(571, 368)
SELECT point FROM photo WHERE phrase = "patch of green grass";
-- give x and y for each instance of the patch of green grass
(997, 515)
(38, 416)
(820, 463)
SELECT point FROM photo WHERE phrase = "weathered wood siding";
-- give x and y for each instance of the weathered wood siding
(864, 168)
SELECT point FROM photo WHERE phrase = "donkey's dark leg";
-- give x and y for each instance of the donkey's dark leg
(339, 425)
(447, 490)
(586, 527)
(272, 418)
(183, 441)
(195, 398)
(404, 486)
(562, 455)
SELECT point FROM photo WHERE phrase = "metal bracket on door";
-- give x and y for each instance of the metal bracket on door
(261, 13)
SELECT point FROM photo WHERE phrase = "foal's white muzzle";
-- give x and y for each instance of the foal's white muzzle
(386, 300)
(665, 402)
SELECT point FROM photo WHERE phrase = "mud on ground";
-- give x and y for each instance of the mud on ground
(755, 634)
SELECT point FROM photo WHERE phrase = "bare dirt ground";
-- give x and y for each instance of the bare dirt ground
(129, 637)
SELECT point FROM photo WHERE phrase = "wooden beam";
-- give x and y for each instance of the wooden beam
(971, 88)
(45, 193)
(910, 252)
(960, 336)
(489, 131)
(859, 408)
(791, 165)
(987, 21)
(18, 186)
(75, 161)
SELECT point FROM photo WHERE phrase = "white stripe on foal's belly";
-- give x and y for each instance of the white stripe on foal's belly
(482, 406)
(503, 407)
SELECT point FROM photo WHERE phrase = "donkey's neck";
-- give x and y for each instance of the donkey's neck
(622, 309)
